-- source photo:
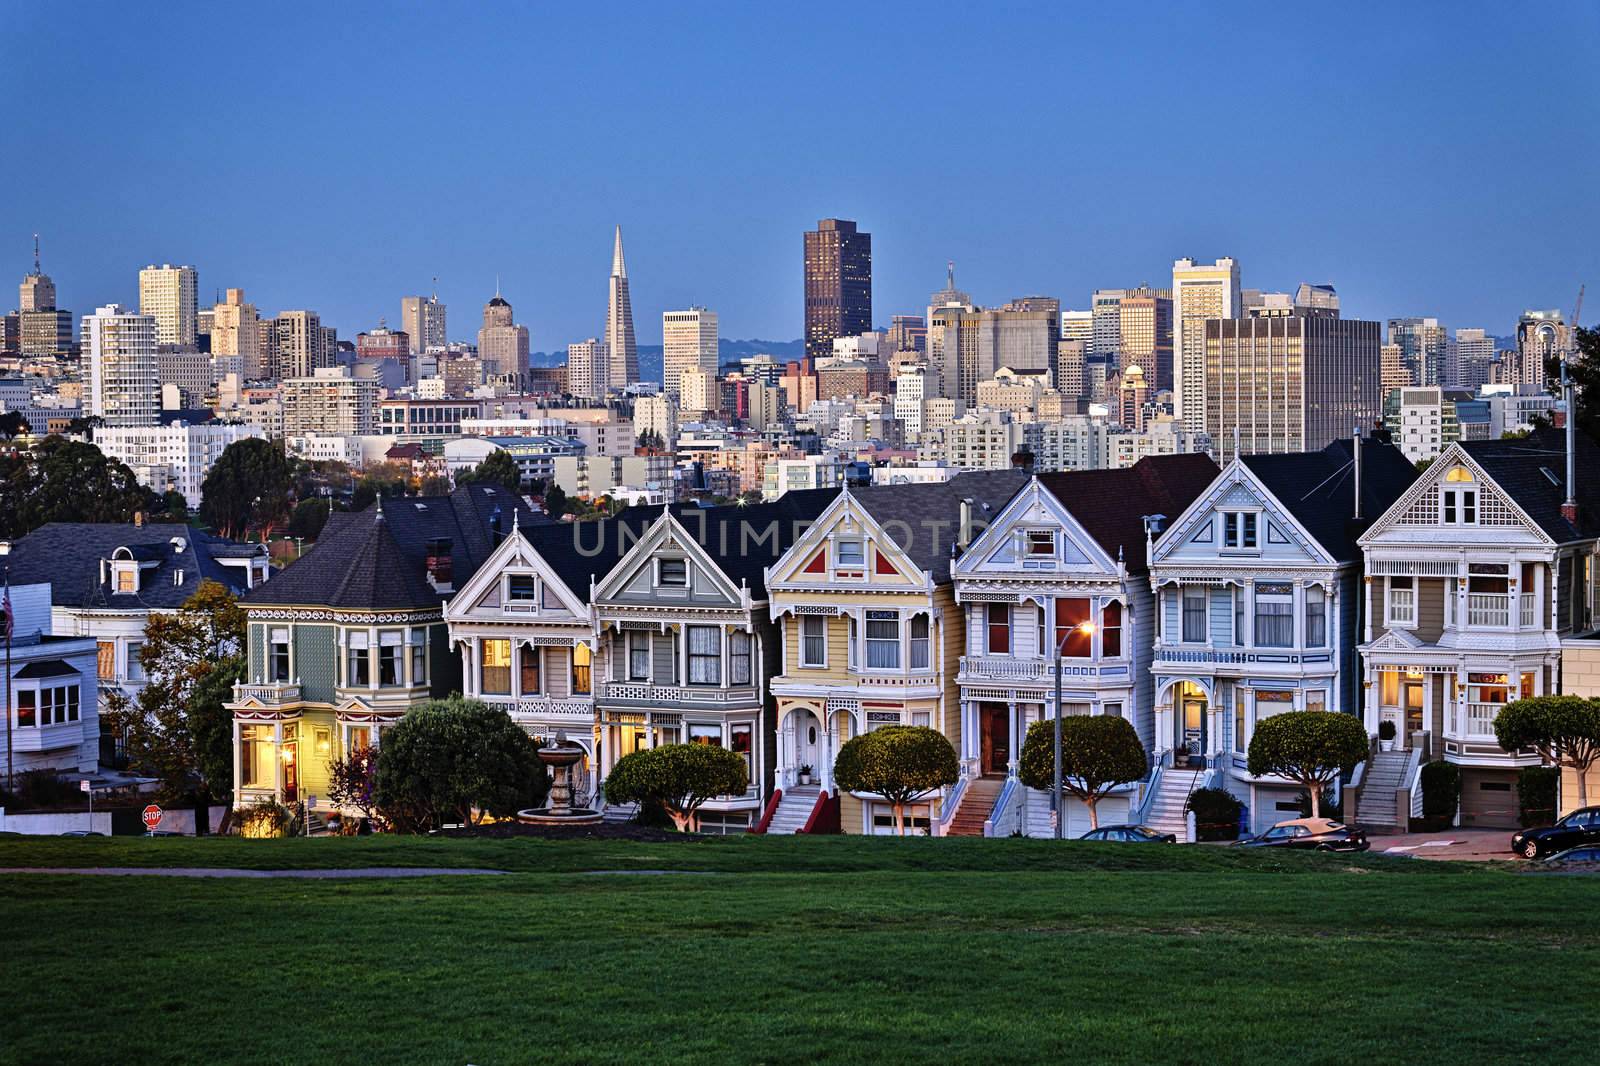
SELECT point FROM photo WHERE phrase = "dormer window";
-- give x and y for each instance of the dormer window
(674, 573)
(851, 555)
(522, 592)
(1459, 497)
(1239, 530)
(1041, 543)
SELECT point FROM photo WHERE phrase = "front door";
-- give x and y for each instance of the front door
(994, 727)
(1413, 707)
(291, 772)
(1192, 708)
(806, 742)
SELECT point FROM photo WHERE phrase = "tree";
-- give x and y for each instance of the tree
(352, 782)
(308, 518)
(174, 508)
(899, 763)
(680, 777)
(447, 759)
(1098, 753)
(1310, 748)
(650, 439)
(1564, 730)
(1583, 370)
(555, 501)
(499, 468)
(249, 486)
(177, 728)
(14, 425)
(62, 480)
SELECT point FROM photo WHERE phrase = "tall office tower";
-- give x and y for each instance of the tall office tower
(1071, 367)
(1423, 343)
(1392, 370)
(1146, 323)
(908, 333)
(699, 390)
(502, 344)
(1289, 383)
(1021, 335)
(838, 285)
(1323, 299)
(945, 309)
(38, 292)
(169, 294)
(622, 352)
(298, 346)
(688, 338)
(122, 385)
(587, 374)
(422, 319)
(1471, 356)
(1199, 292)
(1541, 336)
(1078, 326)
(1106, 323)
(236, 330)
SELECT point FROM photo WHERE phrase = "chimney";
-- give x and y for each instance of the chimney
(964, 534)
(1355, 444)
(1569, 506)
(1022, 459)
(441, 573)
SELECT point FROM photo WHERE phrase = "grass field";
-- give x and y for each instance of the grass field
(834, 950)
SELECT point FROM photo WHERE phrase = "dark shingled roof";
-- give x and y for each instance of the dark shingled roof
(1318, 488)
(1533, 472)
(377, 559)
(67, 556)
(1111, 504)
(925, 520)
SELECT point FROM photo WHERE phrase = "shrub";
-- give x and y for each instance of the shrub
(899, 763)
(1216, 813)
(1386, 730)
(1441, 793)
(679, 778)
(1536, 795)
(42, 789)
(1310, 748)
(447, 759)
(264, 818)
(1098, 753)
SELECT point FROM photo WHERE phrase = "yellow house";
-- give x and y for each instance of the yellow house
(872, 636)
(1580, 676)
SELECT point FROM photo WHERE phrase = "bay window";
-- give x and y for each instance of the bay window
(997, 626)
(813, 640)
(1486, 694)
(419, 657)
(278, 653)
(582, 669)
(705, 735)
(1274, 614)
(1074, 635)
(27, 709)
(739, 658)
(920, 643)
(1111, 629)
(1402, 602)
(256, 754)
(391, 657)
(883, 640)
(739, 740)
(358, 666)
(1194, 615)
(705, 655)
(1316, 617)
(531, 665)
(495, 670)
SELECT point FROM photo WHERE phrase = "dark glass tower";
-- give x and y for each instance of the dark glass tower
(838, 284)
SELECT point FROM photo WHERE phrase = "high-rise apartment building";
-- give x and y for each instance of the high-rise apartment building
(122, 385)
(236, 331)
(1392, 370)
(332, 401)
(1106, 325)
(688, 339)
(1289, 383)
(422, 319)
(1541, 336)
(502, 343)
(1424, 344)
(1199, 292)
(622, 351)
(1078, 326)
(587, 373)
(169, 294)
(37, 292)
(1470, 357)
(1146, 323)
(297, 345)
(699, 390)
(838, 285)
(1022, 335)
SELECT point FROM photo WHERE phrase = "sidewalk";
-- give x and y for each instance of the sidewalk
(1467, 845)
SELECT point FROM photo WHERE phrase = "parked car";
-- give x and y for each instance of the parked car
(1129, 834)
(82, 833)
(1311, 834)
(1583, 855)
(1582, 826)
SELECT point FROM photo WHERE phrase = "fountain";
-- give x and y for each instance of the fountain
(560, 757)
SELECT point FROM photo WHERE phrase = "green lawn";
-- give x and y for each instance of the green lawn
(793, 950)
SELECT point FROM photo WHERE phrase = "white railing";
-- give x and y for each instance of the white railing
(1174, 654)
(645, 691)
(1006, 817)
(1488, 609)
(1403, 606)
(1525, 619)
(1480, 719)
(271, 692)
(1004, 669)
(545, 707)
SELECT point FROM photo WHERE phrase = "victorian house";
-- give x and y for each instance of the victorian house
(1057, 584)
(872, 636)
(1474, 577)
(346, 639)
(1258, 589)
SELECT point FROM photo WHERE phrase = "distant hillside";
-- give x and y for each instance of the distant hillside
(728, 352)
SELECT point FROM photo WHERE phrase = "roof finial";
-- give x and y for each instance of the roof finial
(497, 283)
(516, 514)
(379, 516)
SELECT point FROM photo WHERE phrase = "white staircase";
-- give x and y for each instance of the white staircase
(1166, 810)
(1386, 772)
(619, 812)
(793, 809)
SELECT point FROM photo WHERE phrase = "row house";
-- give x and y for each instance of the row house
(1259, 602)
(871, 636)
(1473, 579)
(350, 636)
(1055, 597)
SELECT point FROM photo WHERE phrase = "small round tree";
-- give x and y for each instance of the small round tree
(680, 777)
(899, 763)
(1310, 748)
(1564, 730)
(448, 758)
(1098, 753)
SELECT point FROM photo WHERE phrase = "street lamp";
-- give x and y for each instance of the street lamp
(1087, 629)
(5, 553)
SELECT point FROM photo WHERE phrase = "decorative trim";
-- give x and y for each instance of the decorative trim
(326, 614)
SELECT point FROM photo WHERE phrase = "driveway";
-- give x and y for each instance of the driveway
(1468, 845)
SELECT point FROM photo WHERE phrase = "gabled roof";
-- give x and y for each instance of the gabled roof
(1318, 489)
(68, 555)
(924, 520)
(377, 559)
(1532, 471)
(1111, 504)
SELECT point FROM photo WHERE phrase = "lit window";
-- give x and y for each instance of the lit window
(495, 669)
(582, 669)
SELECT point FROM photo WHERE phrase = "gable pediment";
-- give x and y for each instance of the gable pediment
(1423, 506)
(667, 565)
(537, 591)
(847, 548)
(1395, 640)
(1196, 537)
(1035, 533)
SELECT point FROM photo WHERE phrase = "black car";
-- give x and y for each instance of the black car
(1129, 834)
(1582, 826)
(1311, 834)
(1584, 855)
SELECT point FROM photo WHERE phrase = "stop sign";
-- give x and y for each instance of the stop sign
(151, 817)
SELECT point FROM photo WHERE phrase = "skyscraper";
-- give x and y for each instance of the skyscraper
(622, 352)
(122, 384)
(1471, 356)
(169, 295)
(422, 320)
(688, 339)
(1423, 345)
(1105, 343)
(945, 309)
(236, 330)
(1541, 335)
(1145, 320)
(586, 369)
(38, 292)
(502, 344)
(838, 285)
(298, 346)
(1199, 292)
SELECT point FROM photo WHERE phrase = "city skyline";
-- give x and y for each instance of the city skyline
(1395, 159)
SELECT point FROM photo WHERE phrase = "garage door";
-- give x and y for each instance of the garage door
(1113, 811)
(1489, 799)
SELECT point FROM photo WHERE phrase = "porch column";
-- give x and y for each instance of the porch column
(516, 669)
(649, 728)
(1014, 753)
(277, 760)
(236, 752)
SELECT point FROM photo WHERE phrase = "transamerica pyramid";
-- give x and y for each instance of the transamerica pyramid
(622, 351)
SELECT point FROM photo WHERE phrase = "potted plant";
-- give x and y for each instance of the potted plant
(1386, 735)
(805, 774)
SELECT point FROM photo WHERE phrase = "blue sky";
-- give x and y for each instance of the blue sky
(1426, 159)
